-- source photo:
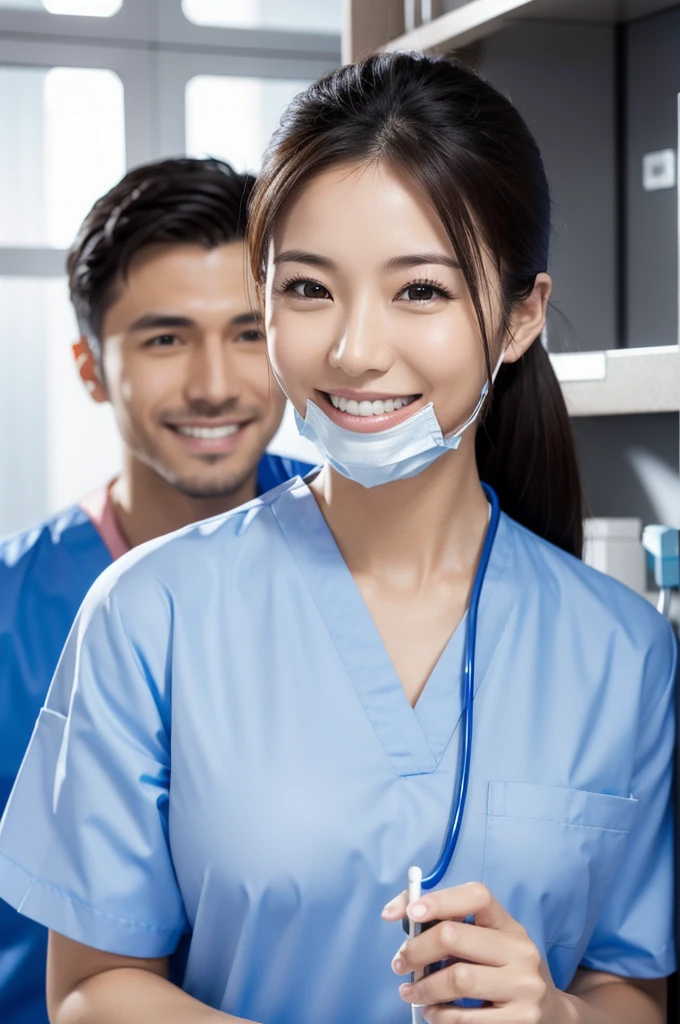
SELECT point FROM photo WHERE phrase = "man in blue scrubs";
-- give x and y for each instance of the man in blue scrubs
(168, 337)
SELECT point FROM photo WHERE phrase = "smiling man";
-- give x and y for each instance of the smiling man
(170, 337)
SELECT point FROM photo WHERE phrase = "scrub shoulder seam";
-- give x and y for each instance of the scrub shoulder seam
(624, 963)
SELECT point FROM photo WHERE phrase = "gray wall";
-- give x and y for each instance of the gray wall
(562, 78)
(653, 84)
(630, 466)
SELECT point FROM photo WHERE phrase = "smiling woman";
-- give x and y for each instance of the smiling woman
(258, 723)
(477, 224)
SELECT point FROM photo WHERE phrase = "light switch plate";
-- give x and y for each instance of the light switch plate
(659, 170)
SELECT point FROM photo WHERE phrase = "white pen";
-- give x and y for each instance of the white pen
(415, 877)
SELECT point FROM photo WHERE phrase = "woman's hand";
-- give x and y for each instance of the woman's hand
(494, 961)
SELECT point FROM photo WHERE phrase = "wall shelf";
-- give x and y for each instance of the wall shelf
(597, 82)
(620, 381)
(479, 18)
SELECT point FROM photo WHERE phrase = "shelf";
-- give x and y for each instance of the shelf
(479, 18)
(620, 381)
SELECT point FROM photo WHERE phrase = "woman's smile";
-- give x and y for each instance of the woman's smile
(367, 412)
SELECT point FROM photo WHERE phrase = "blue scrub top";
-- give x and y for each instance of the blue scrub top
(45, 573)
(227, 760)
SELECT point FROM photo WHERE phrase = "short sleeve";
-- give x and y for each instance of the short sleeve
(634, 933)
(84, 840)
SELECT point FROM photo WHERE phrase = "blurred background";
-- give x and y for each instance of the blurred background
(89, 88)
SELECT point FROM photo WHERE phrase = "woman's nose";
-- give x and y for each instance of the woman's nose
(363, 345)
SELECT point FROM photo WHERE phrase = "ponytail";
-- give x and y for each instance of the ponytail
(526, 452)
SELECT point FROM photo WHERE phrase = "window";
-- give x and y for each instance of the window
(82, 443)
(62, 444)
(52, 121)
(233, 118)
(92, 8)
(294, 15)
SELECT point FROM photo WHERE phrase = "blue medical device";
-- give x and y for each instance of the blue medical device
(662, 544)
(468, 685)
(416, 880)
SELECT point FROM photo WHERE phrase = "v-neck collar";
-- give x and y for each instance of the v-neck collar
(413, 739)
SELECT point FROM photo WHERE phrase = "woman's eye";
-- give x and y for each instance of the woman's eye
(308, 290)
(251, 335)
(420, 293)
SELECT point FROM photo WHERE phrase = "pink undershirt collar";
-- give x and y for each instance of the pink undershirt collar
(98, 507)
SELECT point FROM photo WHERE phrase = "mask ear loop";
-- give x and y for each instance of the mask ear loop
(482, 398)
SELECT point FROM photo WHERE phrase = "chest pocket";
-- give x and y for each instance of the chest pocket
(550, 855)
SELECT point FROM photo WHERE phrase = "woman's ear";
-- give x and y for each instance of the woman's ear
(88, 370)
(527, 319)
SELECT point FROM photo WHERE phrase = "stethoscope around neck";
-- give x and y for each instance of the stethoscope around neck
(416, 881)
(468, 687)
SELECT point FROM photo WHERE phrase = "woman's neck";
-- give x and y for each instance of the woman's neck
(411, 530)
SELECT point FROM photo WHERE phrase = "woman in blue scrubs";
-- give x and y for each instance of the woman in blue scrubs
(255, 727)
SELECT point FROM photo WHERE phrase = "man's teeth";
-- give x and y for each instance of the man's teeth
(209, 433)
(377, 408)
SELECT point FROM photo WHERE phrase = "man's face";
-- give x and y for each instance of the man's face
(185, 368)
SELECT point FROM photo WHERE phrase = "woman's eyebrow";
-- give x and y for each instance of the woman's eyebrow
(313, 259)
(417, 259)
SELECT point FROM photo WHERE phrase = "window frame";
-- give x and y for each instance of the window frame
(135, 21)
(163, 23)
(175, 71)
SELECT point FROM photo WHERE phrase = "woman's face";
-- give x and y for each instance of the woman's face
(367, 312)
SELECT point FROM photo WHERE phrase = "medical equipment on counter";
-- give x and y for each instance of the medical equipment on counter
(613, 546)
(662, 544)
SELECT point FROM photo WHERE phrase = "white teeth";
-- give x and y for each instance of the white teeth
(209, 433)
(366, 408)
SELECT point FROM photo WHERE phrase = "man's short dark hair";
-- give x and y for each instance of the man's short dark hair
(181, 201)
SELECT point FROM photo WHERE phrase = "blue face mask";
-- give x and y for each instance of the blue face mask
(393, 454)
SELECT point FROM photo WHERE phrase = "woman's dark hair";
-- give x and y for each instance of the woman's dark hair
(469, 150)
(183, 201)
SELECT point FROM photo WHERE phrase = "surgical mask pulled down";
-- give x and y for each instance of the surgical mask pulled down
(397, 453)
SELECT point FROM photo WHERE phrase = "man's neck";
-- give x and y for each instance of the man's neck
(147, 506)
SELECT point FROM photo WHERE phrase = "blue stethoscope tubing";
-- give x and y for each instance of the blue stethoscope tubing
(468, 695)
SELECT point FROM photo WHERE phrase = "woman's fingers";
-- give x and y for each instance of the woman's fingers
(472, 981)
(458, 1015)
(396, 908)
(470, 900)
(464, 942)
(492, 961)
